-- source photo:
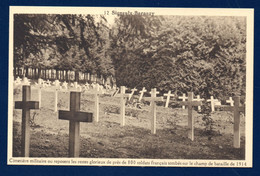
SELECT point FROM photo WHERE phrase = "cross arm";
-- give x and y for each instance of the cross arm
(230, 108)
(76, 116)
(29, 105)
(193, 103)
(124, 95)
(153, 98)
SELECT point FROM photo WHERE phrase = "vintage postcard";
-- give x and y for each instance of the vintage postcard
(148, 87)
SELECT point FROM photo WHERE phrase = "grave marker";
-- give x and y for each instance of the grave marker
(115, 93)
(199, 99)
(40, 86)
(26, 105)
(212, 102)
(25, 81)
(152, 100)
(122, 96)
(48, 83)
(142, 93)
(132, 93)
(190, 103)
(57, 88)
(183, 98)
(96, 92)
(236, 110)
(75, 117)
(230, 101)
(65, 85)
(17, 81)
(168, 95)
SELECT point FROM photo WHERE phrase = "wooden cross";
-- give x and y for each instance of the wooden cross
(168, 98)
(17, 81)
(190, 103)
(57, 88)
(48, 82)
(115, 93)
(96, 92)
(142, 93)
(236, 109)
(26, 81)
(122, 96)
(132, 93)
(40, 85)
(65, 85)
(152, 100)
(212, 102)
(183, 98)
(199, 99)
(230, 101)
(26, 105)
(75, 117)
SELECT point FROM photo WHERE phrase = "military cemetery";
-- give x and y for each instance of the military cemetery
(129, 97)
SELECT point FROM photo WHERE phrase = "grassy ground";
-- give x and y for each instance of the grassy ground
(107, 139)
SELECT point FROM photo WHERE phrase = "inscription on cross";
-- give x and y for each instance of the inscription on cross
(190, 103)
(168, 95)
(152, 100)
(26, 105)
(123, 97)
(236, 110)
(75, 117)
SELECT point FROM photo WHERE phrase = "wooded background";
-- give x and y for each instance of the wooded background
(203, 54)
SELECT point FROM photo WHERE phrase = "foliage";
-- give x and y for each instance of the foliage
(205, 55)
(70, 42)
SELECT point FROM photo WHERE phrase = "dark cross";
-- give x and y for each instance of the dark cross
(152, 100)
(122, 96)
(75, 117)
(190, 103)
(26, 105)
(236, 109)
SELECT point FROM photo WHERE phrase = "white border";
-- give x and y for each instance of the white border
(249, 13)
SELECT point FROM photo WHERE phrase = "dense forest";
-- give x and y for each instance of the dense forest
(206, 55)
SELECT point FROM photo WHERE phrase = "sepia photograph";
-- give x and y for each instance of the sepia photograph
(165, 87)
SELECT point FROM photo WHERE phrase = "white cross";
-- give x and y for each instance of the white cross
(65, 85)
(230, 101)
(17, 81)
(48, 83)
(183, 98)
(168, 95)
(57, 84)
(198, 99)
(212, 102)
(87, 86)
(142, 93)
(25, 81)
(132, 93)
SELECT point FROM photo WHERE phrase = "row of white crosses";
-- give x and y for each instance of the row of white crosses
(75, 116)
(213, 102)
